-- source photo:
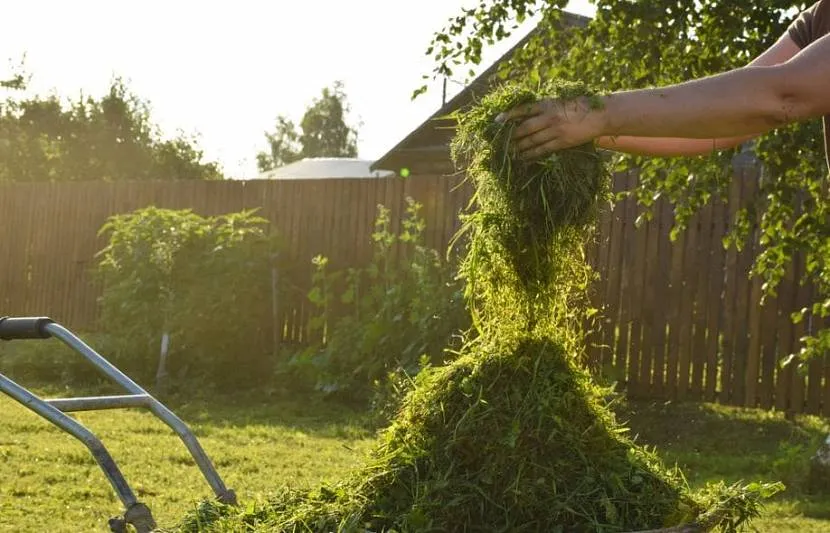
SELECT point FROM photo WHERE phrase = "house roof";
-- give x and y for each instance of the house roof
(325, 167)
(433, 136)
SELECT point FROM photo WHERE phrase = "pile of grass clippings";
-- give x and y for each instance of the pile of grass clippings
(513, 435)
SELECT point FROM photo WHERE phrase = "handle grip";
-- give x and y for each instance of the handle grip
(24, 328)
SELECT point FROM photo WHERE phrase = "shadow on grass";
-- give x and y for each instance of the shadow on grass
(205, 411)
(713, 442)
(309, 414)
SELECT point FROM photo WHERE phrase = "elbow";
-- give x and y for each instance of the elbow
(782, 109)
(793, 107)
(795, 101)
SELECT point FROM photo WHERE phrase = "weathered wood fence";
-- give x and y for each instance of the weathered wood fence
(682, 320)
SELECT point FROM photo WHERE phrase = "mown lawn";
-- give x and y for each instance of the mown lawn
(48, 482)
(712, 442)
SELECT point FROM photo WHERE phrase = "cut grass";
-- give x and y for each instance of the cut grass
(260, 445)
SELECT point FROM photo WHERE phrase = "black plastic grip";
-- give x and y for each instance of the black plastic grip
(24, 328)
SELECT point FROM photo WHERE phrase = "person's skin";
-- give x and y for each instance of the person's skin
(781, 86)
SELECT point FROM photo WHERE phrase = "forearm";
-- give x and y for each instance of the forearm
(746, 101)
(668, 147)
(718, 106)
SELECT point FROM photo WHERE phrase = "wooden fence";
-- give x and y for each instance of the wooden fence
(681, 320)
(49, 232)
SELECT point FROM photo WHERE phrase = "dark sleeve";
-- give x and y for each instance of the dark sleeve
(803, 29)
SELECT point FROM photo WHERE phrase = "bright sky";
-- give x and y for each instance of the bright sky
(224, 70)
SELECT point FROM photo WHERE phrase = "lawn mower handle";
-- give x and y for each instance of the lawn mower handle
(24, 328)
(55, 411)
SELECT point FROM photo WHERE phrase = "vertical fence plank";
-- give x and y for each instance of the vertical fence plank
(624, 325)
(784, 344)
(716, 299)
(802, 299)
(675, 316)
(753, 355)
(650, 292)
(638, 261)
(703, 258)
(743, 302)
(7, 222)
(814, 374)
(663, 301)
(730, 300)
(769, 338)
(611, 307)
(686, 306)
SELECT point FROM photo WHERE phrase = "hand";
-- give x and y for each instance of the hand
(551, 125)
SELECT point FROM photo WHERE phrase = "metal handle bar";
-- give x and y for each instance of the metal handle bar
(53, 410)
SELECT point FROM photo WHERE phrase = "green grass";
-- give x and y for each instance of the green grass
(712, 442)
(48, 477)
(260, 444)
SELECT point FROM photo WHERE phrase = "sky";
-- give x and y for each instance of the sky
(223, 71)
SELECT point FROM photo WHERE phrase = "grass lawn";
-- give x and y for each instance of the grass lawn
(49, 482)
(46, 477)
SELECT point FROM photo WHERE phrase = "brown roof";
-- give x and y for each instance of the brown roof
(427, 147)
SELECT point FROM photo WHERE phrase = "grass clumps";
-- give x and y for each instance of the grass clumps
(513, 435)
(530, 219)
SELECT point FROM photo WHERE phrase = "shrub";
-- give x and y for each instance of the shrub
(206, 281)
(383, 322)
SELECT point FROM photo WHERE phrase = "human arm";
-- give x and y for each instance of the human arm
(743, 102)
(781, 51)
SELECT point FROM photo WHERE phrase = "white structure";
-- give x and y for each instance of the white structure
(325, 167)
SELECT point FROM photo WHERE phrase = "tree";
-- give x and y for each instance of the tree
(323, 133)
(640, 43)
(111, 138)
(284, 146)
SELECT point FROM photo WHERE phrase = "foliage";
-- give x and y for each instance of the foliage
(383, 322)
(323, 133)
(206, 281)
(640, 43)
(110, 139)
(284, 146)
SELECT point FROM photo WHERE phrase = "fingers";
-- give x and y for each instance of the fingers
(540, 136)
(522, 111)
(542, 150)
(538, 133)
(531, 127)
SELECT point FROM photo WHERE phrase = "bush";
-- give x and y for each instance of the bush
(206, 281)
(380, 325)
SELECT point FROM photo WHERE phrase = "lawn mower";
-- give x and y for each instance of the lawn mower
(135, 513)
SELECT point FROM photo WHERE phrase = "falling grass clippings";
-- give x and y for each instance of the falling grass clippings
(530, 221)
(513, 435)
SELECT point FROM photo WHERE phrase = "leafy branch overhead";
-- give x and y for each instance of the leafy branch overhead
(322, 132)
(643, 43)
